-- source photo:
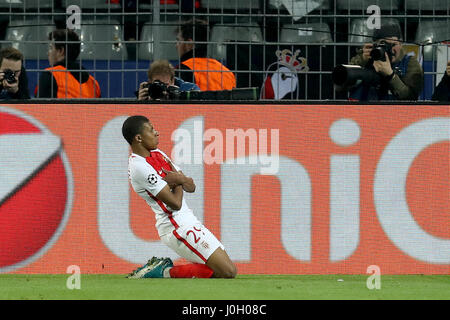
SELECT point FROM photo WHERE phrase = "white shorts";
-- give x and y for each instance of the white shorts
(192, 242)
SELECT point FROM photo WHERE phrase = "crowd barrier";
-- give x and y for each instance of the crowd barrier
(287, 188)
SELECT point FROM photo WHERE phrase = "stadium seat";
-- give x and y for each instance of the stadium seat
(277, 4)
(385, 5)
(27, 4)
(429, 31)
(360, 33)
(433, 30)
(30, 36)
(250, 33)
(102, 38)
(93, 4)
(240, 48)
(167, 38)
(230, 4)
(306, 33)
(427, 5)
(11, 4)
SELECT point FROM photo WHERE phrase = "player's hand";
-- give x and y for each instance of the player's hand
(143, 91)
(448, 68)
(383, 67)
(367, 48)
(173, 178)
(176, 178)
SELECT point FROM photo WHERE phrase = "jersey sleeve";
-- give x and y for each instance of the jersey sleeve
(148, 179)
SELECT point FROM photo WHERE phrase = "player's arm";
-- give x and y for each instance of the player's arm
(145, 177)
(188, 185)
(177, 178)
(173, 198)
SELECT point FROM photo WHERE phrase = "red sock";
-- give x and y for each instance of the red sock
(191, 270)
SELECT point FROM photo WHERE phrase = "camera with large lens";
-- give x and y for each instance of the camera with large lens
(379, 51)
(158, 90)
(9, 76)
(347, 76)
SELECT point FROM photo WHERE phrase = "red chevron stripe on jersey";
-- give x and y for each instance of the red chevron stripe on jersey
(158, 162)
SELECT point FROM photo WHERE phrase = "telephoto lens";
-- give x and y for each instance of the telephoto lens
(346, 76)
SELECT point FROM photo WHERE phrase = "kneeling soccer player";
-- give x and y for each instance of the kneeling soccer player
(161, 183)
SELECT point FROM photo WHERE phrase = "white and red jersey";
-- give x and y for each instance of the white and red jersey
(146, 177)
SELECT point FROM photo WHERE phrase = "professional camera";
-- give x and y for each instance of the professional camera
(9, 76)
(379, 50)
(158, 90)
(346, 76)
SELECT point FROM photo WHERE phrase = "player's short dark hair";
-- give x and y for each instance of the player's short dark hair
(195, 29)
(67, 39)
(133, 126)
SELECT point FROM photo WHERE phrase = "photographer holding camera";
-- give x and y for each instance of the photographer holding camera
(162, 83)
(386, 73)
(13, 77)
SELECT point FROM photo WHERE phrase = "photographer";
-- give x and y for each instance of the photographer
(400, 76)
(162, 83)
(13, 77)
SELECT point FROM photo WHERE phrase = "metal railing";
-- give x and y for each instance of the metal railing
(121, 38)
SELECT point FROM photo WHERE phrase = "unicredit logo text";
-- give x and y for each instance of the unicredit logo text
(387, 184)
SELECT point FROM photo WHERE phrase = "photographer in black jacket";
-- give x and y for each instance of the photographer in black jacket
(382, 70)
(13, 77)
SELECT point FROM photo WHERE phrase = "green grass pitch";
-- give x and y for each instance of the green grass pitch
(244, 287)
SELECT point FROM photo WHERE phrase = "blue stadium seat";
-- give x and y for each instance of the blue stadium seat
(167, 38)
(306, 33)
(221, 34)
(102, 38)
(30, 36)
(385, 5)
